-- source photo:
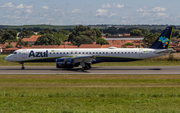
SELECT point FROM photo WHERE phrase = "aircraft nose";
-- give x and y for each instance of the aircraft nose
(7, 58)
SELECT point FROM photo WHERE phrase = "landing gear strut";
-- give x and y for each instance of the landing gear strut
(85, 66)
(22, 65)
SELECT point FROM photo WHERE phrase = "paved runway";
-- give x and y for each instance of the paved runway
(93, 70)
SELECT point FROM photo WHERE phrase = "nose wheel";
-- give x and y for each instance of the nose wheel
(22, 65)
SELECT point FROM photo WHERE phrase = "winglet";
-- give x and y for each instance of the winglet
(163, 41)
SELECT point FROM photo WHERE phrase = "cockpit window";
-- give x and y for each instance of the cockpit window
(15, 53)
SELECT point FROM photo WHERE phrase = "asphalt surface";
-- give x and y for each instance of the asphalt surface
(93, 70)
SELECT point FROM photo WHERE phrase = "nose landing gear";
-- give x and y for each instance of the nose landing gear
(22, 65)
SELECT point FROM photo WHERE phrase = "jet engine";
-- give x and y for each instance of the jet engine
(64, 63)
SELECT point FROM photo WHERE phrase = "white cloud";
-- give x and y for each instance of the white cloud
(20, 6)
(112, 14)
(101, 12)
(162, 15)
(106, 6)
(29, 7)
(28, 11)
(8, 5)
(159, 9)
(76, 11)
(120, 6)
(141, 10)
(45, 7)
(113, 6)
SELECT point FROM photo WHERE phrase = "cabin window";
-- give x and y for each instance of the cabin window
(86, 52)
(106, 52)
(50, 53)
(121, 52)
(111, 52)
(132, 52)
(135, 52)
(63, 52)
(83, 53)
(57, 52)
(67, 53)
(96, 52)
(89, 52)
(54, 53)
(128, 52)
(99, 52)
(71, 52)
(93, 53)
(125, 52)
(114, 52)
(79, 52)
(75, 52)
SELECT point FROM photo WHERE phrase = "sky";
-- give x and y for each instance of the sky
(89, 12)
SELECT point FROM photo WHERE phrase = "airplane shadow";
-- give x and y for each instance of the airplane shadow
(78, 69)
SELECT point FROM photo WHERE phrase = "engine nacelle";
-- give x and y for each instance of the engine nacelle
(64, 63)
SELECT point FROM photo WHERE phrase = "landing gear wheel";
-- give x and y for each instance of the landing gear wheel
(89, 66)
(22, 65)
(82, 68)
(22, 68)
(86, 67)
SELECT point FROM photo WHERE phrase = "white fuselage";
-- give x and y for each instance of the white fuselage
(109, 54)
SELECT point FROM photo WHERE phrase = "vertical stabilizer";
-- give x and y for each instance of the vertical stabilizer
(163, 41)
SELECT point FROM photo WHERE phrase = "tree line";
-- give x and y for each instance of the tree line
(79, 35)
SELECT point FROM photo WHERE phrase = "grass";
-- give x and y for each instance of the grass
(170, 60)
(90, 93)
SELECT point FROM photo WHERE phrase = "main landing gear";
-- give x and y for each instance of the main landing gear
(22, 65)
(85, 66)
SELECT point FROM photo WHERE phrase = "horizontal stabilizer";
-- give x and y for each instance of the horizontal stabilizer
(164, 51)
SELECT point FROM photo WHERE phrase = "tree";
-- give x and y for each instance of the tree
(107, 34)
(101, 41)
(98, 33)
(128, 44)
(176, 33)
(136, 32)
(7, 36)
(20, 43)
(13, 33)
(66, 32)
(144, 31)
(45, 31)
(150, 38)
(9, 46)
(82, 39)
(26, 33)
(26, 43)
(60, 37)
(47, 39)
(83, 35)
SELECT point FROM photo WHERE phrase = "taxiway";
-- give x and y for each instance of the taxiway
(93, 70)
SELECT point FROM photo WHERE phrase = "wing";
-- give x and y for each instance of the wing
(85, 59)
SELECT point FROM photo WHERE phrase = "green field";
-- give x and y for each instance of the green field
(90, 93)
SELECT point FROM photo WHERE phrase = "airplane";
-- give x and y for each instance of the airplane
(70, 58)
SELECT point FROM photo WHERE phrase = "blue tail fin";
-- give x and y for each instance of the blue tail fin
(163, 41)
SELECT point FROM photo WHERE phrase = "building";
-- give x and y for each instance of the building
(119, 41)
(32, 39)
